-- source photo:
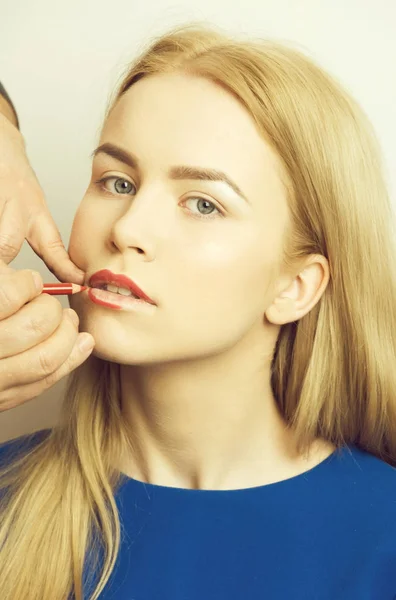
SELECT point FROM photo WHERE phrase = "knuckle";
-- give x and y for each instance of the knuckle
(46, 316)
(50, 380)
(7, 245)
(38, 323)
(47, 363)
(7, 294)
(57, 374)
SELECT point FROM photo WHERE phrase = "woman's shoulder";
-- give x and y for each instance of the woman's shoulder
(22, 443)
(366, 462)
(368, 476)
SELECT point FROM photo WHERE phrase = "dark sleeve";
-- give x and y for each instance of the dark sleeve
(6, 96)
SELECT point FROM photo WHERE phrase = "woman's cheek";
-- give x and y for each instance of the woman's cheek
(79, 241)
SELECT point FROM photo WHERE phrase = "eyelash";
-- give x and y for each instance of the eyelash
(103, 180)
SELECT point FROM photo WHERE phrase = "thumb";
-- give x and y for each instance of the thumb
(45, 240)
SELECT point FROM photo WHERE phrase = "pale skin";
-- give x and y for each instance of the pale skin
(6, 110)
(195, 372)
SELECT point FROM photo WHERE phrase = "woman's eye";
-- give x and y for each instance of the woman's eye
(205, 214)
(123, 186)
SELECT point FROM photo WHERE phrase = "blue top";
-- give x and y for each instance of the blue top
(326, 534)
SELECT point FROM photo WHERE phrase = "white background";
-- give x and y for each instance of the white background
(60, 62)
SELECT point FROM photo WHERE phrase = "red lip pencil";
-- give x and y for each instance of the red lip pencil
(63, 289)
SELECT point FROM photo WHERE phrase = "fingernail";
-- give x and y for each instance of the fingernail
(85, 342)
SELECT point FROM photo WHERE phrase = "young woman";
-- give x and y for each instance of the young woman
(233, 434)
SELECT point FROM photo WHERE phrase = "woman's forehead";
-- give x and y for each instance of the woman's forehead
(191, 121)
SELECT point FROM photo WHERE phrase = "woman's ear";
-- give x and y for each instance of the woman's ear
(302, 294)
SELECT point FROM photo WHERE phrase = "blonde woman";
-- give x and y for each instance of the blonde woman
(233, 434)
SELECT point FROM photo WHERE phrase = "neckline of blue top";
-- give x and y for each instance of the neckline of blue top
(316, 471)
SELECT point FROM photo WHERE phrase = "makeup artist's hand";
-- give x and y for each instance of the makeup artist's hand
(39, 343)
(23, 210)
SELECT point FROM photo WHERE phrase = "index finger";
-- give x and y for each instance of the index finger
(44, 238)
(16, 289)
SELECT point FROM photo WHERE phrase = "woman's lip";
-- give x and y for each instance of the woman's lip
(118, 301)
(106, 276)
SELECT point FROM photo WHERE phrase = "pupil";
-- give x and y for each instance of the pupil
(208, 207)
(121, 185)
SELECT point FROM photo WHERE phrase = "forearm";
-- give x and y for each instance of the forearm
(7, 108)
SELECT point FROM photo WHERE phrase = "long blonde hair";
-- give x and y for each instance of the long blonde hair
(332, 371)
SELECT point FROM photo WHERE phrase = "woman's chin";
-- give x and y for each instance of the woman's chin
(113, 352)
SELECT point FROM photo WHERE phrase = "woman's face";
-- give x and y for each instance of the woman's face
(199, 249)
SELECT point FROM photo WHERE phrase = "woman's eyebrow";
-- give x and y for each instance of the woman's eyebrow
(177, 172)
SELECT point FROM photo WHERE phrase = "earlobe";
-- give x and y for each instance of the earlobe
(281, 311)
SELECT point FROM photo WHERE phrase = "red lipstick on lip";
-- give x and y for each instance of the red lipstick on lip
(106, 276)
